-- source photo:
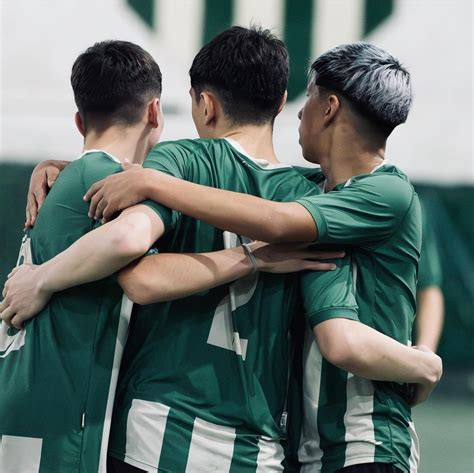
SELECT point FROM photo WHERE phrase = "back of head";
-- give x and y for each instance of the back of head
(247, 68)
(371, 79)
(112, 82)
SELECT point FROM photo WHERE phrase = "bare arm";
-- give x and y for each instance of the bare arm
(243, 214)
(359, 349)
(430, 316)
(96, 255)
(169, 276)
(42, 179)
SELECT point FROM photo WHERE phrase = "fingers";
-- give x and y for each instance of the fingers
(13, 271)
(31, 210)
(99, 208)
(17, 322)
(95, 200)
(93, 190)
(318, 266)
(52, 174)
(7, 315)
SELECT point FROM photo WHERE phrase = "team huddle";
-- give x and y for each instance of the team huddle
(198, 306)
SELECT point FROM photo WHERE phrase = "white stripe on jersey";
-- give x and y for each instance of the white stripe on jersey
(20, 454)
(146, 424)
(270, 455)
(415, 448)
(309, 452)
(360, 433)
(212, 447)
(122, 332)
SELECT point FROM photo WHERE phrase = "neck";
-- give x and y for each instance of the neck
(124, 143)
(257, 141)
(349, 156)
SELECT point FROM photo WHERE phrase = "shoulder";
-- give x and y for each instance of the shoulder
(385, 187)
(313, 174)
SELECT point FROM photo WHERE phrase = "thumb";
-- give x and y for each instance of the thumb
(126, 165)
(52, 176)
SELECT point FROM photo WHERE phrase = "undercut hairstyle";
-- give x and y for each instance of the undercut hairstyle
(112, 82)
(376, 83)
(247, 68)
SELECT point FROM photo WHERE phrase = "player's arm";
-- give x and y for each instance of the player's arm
(429, 319)
(359, 349)
(242, 214)
(42, 179)
(347, 343)
(168, 276)
(96, 255)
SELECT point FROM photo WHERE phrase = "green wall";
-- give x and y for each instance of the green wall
(450, 210)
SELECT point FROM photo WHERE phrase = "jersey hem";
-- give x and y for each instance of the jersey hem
(133, 462)
(315, 318)
(335, 465)
(318, 218)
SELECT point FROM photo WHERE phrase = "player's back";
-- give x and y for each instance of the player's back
(204, 378)
(56, 373)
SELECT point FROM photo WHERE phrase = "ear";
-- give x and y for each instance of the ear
(283, 102)
(154, 113)
(80, 124)
(331, 108)
(210, 107)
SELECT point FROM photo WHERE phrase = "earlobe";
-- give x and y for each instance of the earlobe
(80, 124)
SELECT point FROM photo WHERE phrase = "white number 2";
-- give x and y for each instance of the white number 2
(222, 333)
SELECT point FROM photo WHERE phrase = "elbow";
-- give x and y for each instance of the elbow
(128, 241)
(337, 347)
(135, 286)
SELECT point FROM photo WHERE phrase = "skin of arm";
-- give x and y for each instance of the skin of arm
(96, 255)
(359, 349)
(242, 214)
(430, 316)
(42, 179)
(169, 276)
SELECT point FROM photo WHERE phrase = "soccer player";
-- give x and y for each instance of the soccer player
(58, 375)
(429, 295)
(357, 94)
(204, 379)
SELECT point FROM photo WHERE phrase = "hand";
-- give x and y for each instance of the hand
(291, 257)
(117, 192)
(23, 296)
(422, 391)
(42, 179)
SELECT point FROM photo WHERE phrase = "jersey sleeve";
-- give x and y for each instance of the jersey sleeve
(329, 294)
(170, 158)
(430, 273)
(366, 212)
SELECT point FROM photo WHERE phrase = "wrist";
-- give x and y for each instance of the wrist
(44, 285)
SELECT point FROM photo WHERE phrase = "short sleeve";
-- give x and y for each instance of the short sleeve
(170, 158)
(329, 294)
(430, 272)
(366, 212)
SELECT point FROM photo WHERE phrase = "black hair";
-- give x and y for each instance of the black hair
(369, 77)
(247, 68)
(112, 82)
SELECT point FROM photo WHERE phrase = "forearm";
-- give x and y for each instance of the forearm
(363, 351)
(430, 317)
(102, 251)
(169, 276)
(242, 214)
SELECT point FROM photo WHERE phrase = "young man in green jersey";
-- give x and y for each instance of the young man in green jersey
(218, 395)
(357, 94)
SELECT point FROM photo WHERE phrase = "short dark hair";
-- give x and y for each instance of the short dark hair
(112, 82)
(372, 79)
(247, 68)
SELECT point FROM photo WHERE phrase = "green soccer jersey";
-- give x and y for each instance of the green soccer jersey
(204, 379)
(349, 420)
(58, 375)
